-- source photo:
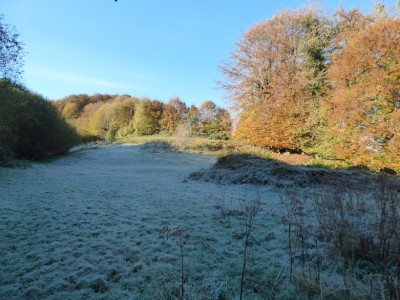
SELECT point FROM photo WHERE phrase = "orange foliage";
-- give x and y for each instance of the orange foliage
(276, 79)
(173, 113)
(303, 81)
(365, 76)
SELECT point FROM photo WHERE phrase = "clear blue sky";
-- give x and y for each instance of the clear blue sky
(154, 48)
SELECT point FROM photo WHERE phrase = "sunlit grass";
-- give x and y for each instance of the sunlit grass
(196, 144)
(186, 144)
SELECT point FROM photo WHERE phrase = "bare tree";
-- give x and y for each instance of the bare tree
(11, 52)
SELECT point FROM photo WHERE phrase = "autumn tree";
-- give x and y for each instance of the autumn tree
(78, 110)
(365, 76)
(276, 78)
(72, 106)
(190, 124)
(123, 112)
(146, 120)
(82, 124)
(108, 117)
(347, 23)
(173, 113)
(100, 121)
(71, 110)
(213, 121)
(92, 120)
(343, 25)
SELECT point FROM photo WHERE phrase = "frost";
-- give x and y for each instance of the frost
(87, 225)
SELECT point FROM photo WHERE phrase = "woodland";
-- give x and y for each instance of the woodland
(100, 117)
(304, 81)
(327, 85)
(146, 222)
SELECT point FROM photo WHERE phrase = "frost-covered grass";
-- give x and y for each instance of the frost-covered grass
(90, 226)
(87, 226)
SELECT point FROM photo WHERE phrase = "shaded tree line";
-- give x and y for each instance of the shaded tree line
(325, 85)
(30, 126)
(112, 116)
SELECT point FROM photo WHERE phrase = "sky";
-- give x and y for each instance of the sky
(158, 49)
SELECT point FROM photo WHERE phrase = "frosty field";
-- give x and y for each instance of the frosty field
(93, 224)
(86, 226)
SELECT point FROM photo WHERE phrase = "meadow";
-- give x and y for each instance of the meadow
(143, 221)
(290, 193)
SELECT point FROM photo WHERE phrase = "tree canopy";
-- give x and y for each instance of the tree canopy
(365, 97)
(276, 78)
(103, 116)
(327, 85)
(30, 127)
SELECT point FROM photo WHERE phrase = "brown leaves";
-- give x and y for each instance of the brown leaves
(174, 111)
(304, 81)
(275, 74)
(365, 75)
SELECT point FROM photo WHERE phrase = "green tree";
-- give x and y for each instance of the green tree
(190, 123)
(214, 122)
(146, 120)
(30, 126)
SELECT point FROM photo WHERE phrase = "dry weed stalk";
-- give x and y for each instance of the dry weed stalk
(250, 210)
(299, 233)
(181, 236)
(363, 230)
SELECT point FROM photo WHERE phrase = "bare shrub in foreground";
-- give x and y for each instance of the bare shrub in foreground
(362, 233)
(250, 209)
(181, 236)
(303, 246)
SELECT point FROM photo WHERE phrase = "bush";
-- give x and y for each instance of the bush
(362, 233)
(30, 127)
(110, 135)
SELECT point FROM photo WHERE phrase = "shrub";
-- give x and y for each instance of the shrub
(362, 233)
(30, 126)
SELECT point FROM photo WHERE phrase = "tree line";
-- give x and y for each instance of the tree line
(30, 127)
(304, 81)
(103, 116)
(324, 84)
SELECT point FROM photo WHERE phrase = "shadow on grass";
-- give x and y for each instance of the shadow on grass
(252, 169)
